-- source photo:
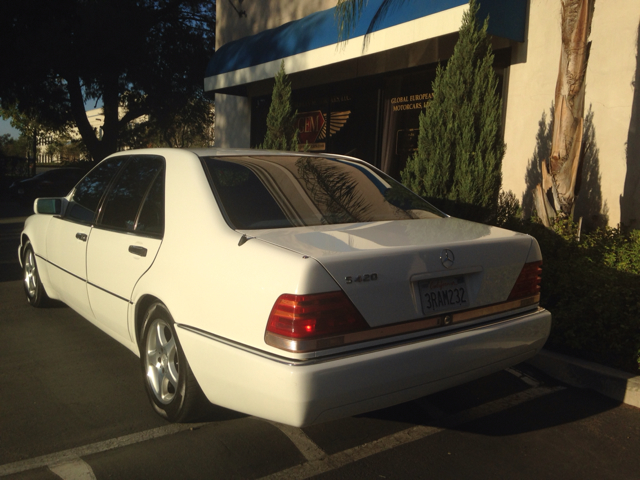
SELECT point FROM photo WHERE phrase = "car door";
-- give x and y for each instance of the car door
(67, 237)
(124, 241)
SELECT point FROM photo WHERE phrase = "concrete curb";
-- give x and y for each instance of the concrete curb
(615, 384)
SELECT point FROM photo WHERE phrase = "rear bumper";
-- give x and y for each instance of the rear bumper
(318, 391)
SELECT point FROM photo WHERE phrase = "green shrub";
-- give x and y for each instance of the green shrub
(592, 289)
(282, 132)
(457, 165)
(591, 286)
(508, 213)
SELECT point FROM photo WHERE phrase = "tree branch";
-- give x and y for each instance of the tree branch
(80, 115)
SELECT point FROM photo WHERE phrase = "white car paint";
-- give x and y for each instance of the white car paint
(112, 272)
(397, 251)
(304, 394)
(220, 292)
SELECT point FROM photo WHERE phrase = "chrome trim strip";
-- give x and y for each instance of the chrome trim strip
(446, 319)
(352, 353)
(157, 236)
(84, 280)
(60, 268)
(243, 347)
(110, 293)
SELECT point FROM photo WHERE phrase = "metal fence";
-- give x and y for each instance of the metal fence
(48, 158)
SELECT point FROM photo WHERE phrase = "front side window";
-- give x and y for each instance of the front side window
(86, 197)
(126, 198)
(260, 192)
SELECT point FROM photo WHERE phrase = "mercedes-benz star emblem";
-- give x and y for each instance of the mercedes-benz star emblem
(447, 258)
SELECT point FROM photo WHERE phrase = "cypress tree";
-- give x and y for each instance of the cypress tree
(282, 132)
(460, 148)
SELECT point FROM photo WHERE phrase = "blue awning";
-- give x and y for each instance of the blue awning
(506, 19)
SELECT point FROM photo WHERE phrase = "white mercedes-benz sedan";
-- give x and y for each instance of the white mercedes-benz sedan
(295, 287)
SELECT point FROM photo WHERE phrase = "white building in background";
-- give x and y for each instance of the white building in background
(96, 120)
(364, 98)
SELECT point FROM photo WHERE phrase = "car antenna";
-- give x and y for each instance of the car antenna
(244, 239)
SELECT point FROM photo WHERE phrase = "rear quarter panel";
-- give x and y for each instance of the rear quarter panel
(205, 278)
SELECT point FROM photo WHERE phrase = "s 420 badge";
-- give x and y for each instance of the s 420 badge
(369, 277)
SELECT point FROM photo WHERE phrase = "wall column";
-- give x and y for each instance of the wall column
(233, 121)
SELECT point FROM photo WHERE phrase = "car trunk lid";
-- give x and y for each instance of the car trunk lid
(405, 270)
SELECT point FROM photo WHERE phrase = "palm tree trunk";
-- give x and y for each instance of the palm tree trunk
(555, 196)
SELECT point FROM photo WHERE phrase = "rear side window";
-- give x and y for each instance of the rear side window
(133, 194)
(86, 197)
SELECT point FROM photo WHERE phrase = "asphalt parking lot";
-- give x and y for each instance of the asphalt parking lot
(72, 405)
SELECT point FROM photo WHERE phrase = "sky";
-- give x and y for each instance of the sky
(5, 127)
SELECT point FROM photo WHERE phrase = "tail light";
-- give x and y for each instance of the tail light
(309, 322)
(528, 282)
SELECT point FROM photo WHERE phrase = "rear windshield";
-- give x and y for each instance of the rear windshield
(261, 192)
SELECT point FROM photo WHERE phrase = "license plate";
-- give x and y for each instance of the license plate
(440, 294)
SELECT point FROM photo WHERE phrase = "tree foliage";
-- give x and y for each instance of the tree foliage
(460, 147)
(282, 132)
(189, 126)
(334, 191)
(11, 147)
(348, 13)
(32, 130)
(143, 56)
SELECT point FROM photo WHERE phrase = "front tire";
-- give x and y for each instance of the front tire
(33, 288)
(172, 388)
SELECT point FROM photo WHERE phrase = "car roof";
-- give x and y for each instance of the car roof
(222, 152)
(232, 152)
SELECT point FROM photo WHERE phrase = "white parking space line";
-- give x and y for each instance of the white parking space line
(76, 469)
(307, 447)
(499, 405)
(341, 459)
(532, 382)
(74, 453)
(68, 465)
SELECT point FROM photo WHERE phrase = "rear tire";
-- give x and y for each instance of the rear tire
(33, 288)
(172, 388)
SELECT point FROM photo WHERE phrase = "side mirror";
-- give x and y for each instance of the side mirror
(48, 206)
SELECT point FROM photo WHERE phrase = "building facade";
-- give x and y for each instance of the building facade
(363, 97)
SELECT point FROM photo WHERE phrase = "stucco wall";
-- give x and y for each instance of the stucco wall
(261, 15)
(233, 121)
(609, 102)
(233, 113)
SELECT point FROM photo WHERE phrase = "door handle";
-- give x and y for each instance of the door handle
(137, 250)
(81, 236)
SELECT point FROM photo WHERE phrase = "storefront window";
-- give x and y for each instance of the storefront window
(375, 119)
(404, 98)
(338, 118)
